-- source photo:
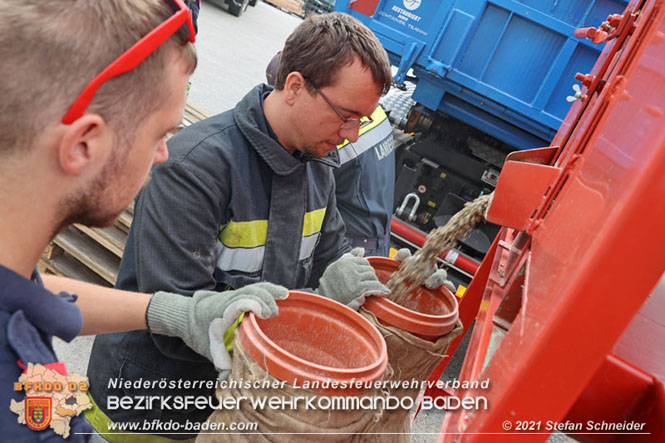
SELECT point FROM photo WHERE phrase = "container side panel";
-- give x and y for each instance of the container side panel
(453, 37)
(601, 9)
(480, 48)
(572, 13)
(582, 61)
(522, 59)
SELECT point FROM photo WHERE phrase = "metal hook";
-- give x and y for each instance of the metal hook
(405, 202)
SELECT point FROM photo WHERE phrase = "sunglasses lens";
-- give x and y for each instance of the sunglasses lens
(189, 25)
(184, 30)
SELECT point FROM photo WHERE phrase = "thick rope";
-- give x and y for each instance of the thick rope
(414, 271)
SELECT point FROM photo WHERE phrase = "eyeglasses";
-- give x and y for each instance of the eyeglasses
(347, 122)
(132, 57)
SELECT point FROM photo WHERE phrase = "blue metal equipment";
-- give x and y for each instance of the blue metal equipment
(504, 67)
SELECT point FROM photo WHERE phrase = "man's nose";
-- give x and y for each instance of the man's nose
(350, 134)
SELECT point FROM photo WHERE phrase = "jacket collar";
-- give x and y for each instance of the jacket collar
(332, 159)
(53, 314)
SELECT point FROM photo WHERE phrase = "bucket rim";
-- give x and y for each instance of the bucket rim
(291, 366)
(422, 324)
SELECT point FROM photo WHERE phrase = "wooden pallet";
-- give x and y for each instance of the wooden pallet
(93, 254)
(292, 6)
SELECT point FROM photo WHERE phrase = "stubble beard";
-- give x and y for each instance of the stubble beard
(318, 150)
(92, 207)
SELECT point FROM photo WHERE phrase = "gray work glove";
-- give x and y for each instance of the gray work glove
(350, 280)
(438, 276)
(201, 320)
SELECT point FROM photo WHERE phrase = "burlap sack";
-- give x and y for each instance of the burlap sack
(411, 358)
(284, 425)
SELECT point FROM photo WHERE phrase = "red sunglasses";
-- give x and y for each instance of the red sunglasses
(132, 57)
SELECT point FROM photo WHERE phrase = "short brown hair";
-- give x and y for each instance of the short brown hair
(50, 50)
(322, 44)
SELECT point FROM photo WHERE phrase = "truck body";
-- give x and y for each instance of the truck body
(491, 77)
(234, 7)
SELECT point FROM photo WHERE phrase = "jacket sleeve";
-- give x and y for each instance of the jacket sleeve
(176, 224)
(175, 228)
(333, 242)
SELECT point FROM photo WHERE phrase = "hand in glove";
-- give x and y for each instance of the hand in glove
(438, 276)
(350, 279)
(201, 320)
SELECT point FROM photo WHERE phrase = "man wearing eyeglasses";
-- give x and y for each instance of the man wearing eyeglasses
(364, 182)
(89, 91)
(249, 196)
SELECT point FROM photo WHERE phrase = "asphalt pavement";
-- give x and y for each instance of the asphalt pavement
(233, 52)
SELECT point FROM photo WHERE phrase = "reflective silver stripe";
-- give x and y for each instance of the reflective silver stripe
(366, 141)
(251, 259)
(346, 153)
(240, 259)
(307, 246)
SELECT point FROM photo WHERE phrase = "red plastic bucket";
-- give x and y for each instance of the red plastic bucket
(428, 314)
(317, 341)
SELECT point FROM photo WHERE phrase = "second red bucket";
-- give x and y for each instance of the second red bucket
(429, 313)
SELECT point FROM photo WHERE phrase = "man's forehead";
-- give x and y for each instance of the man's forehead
(361, 109)
(361, 104)
(356, 90)
(355, 69)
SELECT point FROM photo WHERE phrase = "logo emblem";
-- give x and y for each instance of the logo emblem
(412, 4)
(38, 412)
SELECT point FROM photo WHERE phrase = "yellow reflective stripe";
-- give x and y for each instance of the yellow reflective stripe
(230, 333)
(104, 425)
(378, 116)
(244, 234)
(313, 222)
(242, 242)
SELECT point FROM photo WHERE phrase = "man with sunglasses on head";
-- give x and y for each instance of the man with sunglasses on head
(249, 196)
(89, 91)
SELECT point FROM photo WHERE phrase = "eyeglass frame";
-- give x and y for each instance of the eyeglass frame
(134, 56)
(347, 122)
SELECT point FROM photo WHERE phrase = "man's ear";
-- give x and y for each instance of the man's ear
(294, 86)
(86, 142)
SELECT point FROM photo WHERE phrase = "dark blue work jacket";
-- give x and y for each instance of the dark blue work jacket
(29, 318)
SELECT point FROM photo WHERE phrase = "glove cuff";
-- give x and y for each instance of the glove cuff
(168, 314)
